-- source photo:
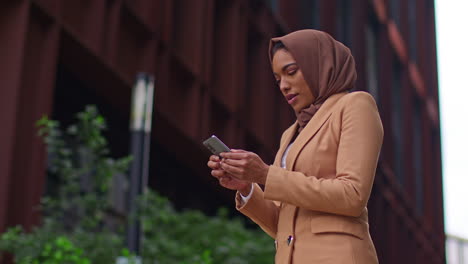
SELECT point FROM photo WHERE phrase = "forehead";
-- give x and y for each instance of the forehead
(282, 57)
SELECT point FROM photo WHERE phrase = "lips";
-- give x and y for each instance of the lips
(290, 98)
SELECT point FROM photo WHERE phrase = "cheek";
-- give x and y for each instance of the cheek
(301, 83)
(304, 88)
(309, 94)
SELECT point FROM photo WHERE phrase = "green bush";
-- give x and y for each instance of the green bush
(75, 212)
(74, 228)
(192, 237)
(54, 249)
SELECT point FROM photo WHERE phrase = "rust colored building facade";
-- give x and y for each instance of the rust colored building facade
(209, 58)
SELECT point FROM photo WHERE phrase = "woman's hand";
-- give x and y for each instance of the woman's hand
(225, 179)
(244, 165)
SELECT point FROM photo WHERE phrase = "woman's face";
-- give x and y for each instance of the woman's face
(291, 81)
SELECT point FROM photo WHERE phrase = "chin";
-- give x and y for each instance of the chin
(297, 110)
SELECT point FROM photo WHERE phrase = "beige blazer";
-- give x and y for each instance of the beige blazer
(315, 209)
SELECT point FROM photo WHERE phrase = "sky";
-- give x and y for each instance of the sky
(452, 55)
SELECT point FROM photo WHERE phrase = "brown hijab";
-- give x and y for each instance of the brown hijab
(326, 64)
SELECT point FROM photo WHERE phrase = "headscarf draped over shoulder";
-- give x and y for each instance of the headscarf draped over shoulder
(327, 66)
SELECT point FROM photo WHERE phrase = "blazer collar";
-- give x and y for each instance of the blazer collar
(308, 132)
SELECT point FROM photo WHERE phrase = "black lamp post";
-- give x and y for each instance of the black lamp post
(140, 128)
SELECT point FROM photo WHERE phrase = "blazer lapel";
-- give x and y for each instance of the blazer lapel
(310, 130)
(289, 133)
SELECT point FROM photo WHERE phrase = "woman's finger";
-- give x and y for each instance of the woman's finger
(231, 169)
(235, 163)
(224, 179)
(238, 151)
(218, 173)
(213, 165)
(235, 155)
(214, 158)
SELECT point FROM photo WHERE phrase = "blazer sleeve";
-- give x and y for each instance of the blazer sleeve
(358, 151)
(263, 212)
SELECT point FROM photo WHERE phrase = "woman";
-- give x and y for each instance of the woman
(316, 192)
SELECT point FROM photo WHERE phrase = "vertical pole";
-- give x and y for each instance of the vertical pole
(147, 132)
(137, 137)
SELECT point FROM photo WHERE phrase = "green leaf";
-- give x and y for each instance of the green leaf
(75, 227)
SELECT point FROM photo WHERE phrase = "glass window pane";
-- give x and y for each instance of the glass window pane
(310, 13)
(372, 62)
(395, 11)
(344, 23)
(417, 155)
(397, 122)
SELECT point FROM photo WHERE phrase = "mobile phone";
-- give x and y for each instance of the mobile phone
(215, 145)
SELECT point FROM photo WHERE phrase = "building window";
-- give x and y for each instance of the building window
(273, 5)
(310, 13)
(395, 11)
(344, 23)
(397, 121)
(412, 26)
(372, 62)
(417, 155)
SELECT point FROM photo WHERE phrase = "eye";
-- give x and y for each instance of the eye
(292, 71)
(278, 81)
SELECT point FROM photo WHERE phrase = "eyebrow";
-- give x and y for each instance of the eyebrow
(287, 65)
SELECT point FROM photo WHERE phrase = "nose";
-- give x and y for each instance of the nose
(284, 86)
